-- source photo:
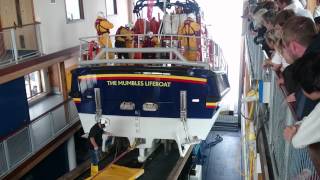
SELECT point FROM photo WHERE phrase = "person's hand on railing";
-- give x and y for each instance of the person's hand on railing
(289, 132)
(291, 98)
(280, 81)
(267, 63)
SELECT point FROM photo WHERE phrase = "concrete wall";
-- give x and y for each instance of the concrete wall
(57, 35)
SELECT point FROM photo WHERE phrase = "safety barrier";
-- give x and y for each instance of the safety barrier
(20, 43)
(287, 162)
(23, 144)
(170, 43)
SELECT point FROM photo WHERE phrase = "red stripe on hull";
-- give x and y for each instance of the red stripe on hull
(211, 107)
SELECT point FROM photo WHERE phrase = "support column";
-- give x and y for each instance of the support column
(71, 154)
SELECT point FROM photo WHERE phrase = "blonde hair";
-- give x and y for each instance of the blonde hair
(258, 17)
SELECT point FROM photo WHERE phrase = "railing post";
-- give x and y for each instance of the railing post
(289, 121)
(39, 39)
(170, 47)
(31, 137)
(14, 45)
(6, 153)
(51, 124)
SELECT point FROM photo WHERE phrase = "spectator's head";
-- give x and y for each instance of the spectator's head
(271, 39)
(283, 3)
(280, 19)
(270, 5)
(258, 17)
(306, 73)
(298, 33)
(268, 19)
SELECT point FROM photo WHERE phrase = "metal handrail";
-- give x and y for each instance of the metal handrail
(33, 144)
(21, 26)
(285, 159)
(173, 48)
(50, 110)
(15, 58)
(35, 119)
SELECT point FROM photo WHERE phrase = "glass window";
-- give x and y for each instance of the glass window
(111, 7)
(74, 10)
(33, 83)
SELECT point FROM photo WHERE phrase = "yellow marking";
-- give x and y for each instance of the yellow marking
(142, 76)
(212, 104)
(76, 99)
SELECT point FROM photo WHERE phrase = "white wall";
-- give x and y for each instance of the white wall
(57, 35)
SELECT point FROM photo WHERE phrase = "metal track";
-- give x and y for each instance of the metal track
(176, 171)
(176, 168)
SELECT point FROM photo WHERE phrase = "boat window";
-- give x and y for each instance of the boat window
(74, 10)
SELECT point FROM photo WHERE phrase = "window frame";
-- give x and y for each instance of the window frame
(42, 83)
(81, 12)
(115, 7)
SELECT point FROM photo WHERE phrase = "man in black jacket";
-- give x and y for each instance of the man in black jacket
(95, 142)
(300, 39)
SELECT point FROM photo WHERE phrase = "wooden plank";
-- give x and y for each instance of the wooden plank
(8, 13)
(26, 11)
(13, 72)
(63, 80)
(79, 170)
(176, 171)
(2, 46)
(25, 167)
(54, 78)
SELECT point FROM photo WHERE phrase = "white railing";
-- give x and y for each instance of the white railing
(23, 144)
(20, 43)
(168, 51)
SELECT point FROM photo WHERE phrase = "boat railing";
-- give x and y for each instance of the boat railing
(168, 50)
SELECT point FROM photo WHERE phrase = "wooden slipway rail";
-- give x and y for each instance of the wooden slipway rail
(33, 64)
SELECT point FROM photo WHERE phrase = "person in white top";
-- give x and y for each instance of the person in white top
(306, 73)
(296, 6)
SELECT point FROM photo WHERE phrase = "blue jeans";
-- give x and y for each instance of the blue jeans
(95, 156)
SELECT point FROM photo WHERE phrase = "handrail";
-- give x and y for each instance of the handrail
(20, 26)
(35, 120)
(173, 49)
(149, 61)
(282, 153)
(145, 35)
(12, 72)
(290, 105)
(50, 110)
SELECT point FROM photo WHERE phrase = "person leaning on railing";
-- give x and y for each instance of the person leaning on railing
(299, 39)
(306, 73)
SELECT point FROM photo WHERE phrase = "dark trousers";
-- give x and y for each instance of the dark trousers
(121, 44)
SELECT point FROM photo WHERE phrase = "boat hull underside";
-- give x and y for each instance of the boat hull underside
(152, 128)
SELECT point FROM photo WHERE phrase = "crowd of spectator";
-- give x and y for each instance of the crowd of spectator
(288, 33)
